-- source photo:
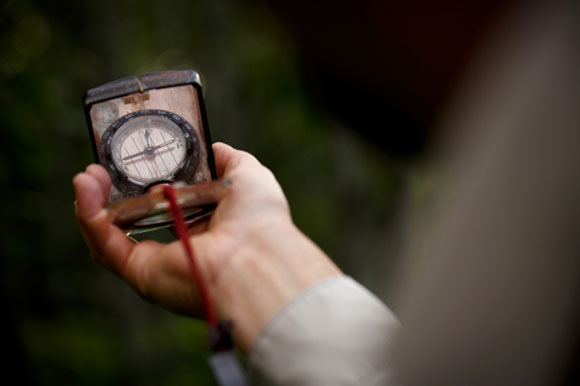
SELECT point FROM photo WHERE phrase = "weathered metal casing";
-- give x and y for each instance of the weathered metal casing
(178, 92)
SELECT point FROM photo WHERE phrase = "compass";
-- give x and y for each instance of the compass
(148, 147)
(149, 130)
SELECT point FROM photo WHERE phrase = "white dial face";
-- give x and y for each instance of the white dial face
(149, 148)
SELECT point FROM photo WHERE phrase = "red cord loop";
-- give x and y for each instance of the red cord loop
(183, 234)
(223, 363)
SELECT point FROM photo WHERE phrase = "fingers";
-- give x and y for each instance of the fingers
(223, 154)
(102, 177)
(109, 245)
(158, 272)
(227, 158)
(90, 196)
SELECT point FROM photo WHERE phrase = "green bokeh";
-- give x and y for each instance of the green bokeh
(67, 320)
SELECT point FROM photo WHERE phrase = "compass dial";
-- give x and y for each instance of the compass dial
(149, 146)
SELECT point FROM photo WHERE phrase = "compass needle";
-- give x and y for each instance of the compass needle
(151, 145)
(146, 134)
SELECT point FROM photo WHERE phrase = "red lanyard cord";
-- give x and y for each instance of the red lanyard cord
(183, 235)
(223, 363)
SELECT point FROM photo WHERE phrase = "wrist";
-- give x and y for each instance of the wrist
(276, 264)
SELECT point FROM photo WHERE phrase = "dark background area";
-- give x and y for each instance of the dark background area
(338, 103)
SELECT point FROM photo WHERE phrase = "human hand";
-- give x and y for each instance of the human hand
(251, 256)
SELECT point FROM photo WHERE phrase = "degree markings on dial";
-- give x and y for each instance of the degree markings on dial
(149, 141)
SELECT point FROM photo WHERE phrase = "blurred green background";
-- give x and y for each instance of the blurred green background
(68, 321)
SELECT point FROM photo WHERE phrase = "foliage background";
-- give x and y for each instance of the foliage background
(65, 319)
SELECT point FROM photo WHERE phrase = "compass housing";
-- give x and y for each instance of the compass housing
(173, 97)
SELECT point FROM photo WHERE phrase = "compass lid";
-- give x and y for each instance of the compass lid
(131, 84)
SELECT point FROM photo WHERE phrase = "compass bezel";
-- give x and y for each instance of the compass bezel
(131, 186)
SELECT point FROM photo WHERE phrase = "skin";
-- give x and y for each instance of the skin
(253, 259)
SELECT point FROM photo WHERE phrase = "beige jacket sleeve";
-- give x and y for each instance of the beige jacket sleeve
(336, 333)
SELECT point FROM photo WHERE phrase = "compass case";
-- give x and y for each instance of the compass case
(175, 93)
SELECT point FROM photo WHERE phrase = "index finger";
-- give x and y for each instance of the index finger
(227, 157)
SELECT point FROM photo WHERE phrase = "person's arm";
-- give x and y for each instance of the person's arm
(336, 333)
(259, 269)
(253, 259)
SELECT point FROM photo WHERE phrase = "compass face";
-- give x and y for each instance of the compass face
(148, 146)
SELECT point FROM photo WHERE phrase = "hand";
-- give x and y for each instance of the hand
(252, 257)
